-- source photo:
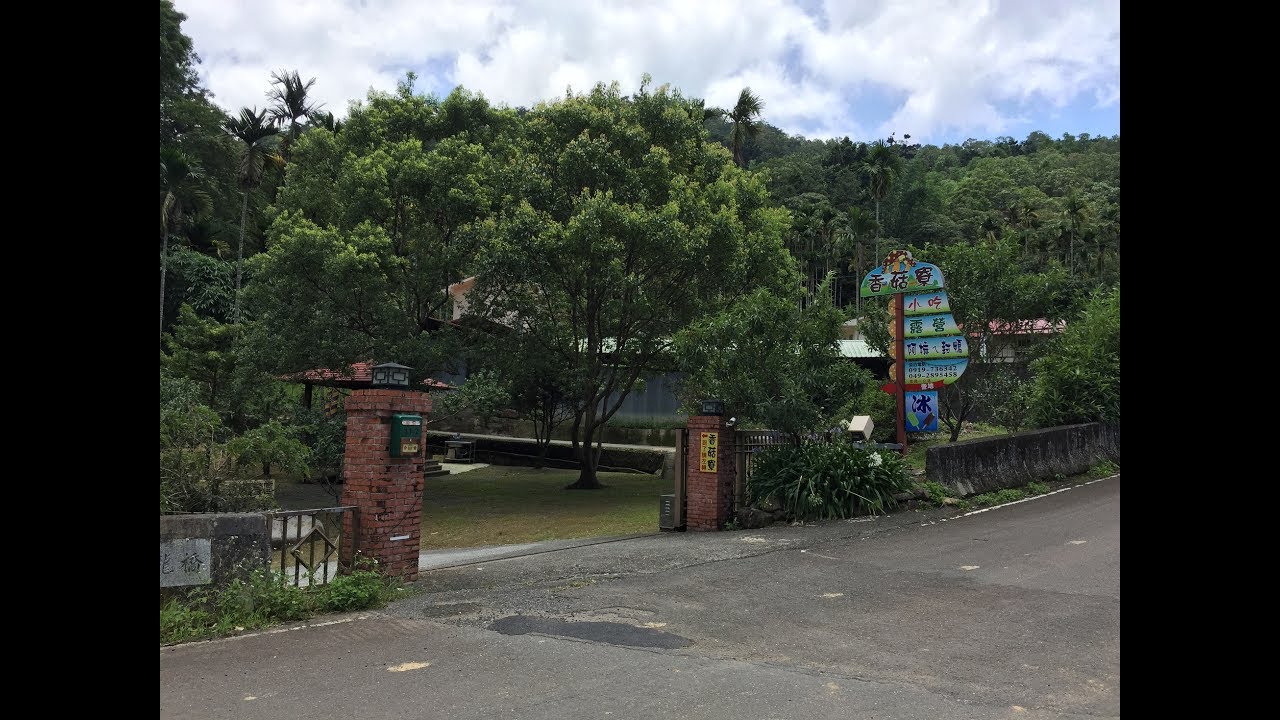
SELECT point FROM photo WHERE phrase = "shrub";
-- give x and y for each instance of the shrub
(361, 590)
(828, 480)
(267, 597)
(937, 493)
(1078, 380)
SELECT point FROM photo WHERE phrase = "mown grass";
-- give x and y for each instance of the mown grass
(918, 444)
(499, 505)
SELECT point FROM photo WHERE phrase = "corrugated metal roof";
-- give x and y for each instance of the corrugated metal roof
(857, 349)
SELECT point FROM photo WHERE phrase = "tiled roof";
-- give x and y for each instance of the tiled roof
(857, 349)
(361, 375)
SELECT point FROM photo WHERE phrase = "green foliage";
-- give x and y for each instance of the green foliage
(937, 492)
(326, 437)
(360, 590)
(272, 443)
(266, 598)
(999, 497)
(483, 394)
(1103, 468)
(197, 472)
(1078, 380)
(624, 225)
(881, 406)
(773, 362)
(375, 222)
(202, 282)
(1037, 488)
(828, 480)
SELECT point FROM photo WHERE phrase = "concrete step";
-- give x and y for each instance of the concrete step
(439, 472)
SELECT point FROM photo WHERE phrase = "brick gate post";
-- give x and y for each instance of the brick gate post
(387, 491)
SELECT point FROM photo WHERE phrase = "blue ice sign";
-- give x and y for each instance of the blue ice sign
(922, 411)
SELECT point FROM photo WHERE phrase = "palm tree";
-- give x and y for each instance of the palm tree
(745, 117)
(290, 104)
(180, 197)
(1024, 218)
(881, 167)
(1073, 211)
(857, 227)
(327, 121)
(259, 136)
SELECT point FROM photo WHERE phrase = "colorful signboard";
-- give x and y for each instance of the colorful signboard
(930, 326)
(900, 273)
(926, 303)
(710, 444)
(939, 372)
(922, 411)
(944, 348)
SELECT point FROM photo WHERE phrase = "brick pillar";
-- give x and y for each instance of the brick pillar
(386, 491)
(710, 494)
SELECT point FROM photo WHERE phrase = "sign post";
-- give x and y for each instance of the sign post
(928, 350)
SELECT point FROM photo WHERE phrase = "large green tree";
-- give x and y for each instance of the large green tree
(257, 136)
(291, 105)
(182, 195)
(627, 227)
(745, 117)
(375, 223)
(882, 165)
(773, 362)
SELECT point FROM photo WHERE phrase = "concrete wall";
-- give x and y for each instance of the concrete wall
(211, 548)
(979, 466)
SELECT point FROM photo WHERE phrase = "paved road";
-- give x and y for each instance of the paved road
(1011, 613)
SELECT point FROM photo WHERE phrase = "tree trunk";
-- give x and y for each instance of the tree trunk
(164, 269)
(543, 445)
(244, 213)
(588, 456)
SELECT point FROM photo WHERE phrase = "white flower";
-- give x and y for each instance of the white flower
(876, 460)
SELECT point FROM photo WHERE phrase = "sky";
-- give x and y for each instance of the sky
(941, 71)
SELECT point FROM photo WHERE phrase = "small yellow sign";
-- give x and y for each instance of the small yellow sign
(710, 443)
(408, 448)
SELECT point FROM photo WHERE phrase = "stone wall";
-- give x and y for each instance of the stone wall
(979, 466)
(211, 549)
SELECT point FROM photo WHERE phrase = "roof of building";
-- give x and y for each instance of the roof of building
(858, 349)
(361, 375)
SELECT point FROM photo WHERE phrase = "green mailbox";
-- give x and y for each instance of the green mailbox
(406, 435)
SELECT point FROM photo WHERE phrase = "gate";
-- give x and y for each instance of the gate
(747, 443)
(308, 544)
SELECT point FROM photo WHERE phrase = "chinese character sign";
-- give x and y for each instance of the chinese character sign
(926, 303)
(900, 273)
(940, 372)
(922, 411)
(943, 348)
(930, 325)
(710, 445)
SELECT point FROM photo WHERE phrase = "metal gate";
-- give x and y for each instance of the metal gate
(308, 544)
(746, 444)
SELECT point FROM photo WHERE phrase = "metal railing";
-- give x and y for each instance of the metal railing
(746, 444)
(297, 535)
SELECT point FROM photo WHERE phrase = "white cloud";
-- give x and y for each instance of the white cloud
(927, 67)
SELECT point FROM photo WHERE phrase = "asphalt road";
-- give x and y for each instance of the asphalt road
(1009, 613)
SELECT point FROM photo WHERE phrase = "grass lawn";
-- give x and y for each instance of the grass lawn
(971, 431)
(498, 505)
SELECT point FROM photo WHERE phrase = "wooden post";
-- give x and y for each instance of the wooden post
(900, 361)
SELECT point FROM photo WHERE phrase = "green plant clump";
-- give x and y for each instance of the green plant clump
(266, 598)
(828, 480)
